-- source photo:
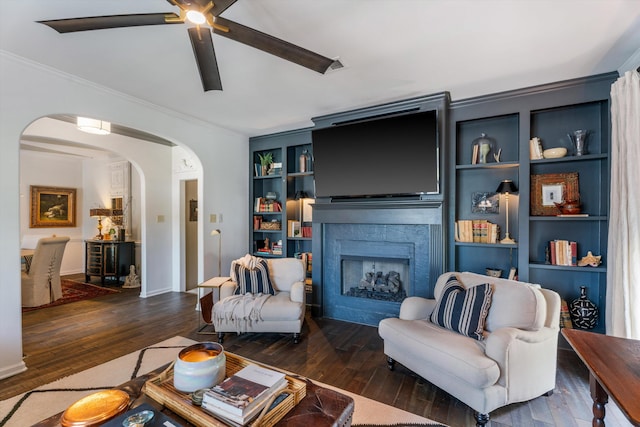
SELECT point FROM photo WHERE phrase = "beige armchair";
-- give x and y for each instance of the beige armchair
(515, 362)
(283, 312)
(41, 284)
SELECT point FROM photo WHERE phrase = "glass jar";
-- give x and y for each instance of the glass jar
(484, 146)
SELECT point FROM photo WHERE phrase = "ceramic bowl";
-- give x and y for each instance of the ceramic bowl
(494, 272)
(554, 153)
(198, 366)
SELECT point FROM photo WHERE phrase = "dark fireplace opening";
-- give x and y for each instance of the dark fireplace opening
(375, 277)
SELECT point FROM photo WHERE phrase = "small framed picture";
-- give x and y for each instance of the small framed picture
(552, 194)
(548, 189)
(485, 203)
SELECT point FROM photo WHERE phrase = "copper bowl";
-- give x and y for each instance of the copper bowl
(570, 207)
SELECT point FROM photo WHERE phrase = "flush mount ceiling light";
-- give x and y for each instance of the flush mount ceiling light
(97, 127)
(196, 17)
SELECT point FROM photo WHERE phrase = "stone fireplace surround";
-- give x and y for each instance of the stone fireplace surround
(380, 229)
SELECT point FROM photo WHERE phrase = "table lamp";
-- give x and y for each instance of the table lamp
(99, 213)
(507, 186)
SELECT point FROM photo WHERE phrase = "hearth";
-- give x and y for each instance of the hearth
(370, 257)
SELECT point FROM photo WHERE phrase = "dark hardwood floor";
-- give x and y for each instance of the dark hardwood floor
(63, 340)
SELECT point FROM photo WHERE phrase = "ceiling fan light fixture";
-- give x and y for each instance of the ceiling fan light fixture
(196, 17)
(94, 126)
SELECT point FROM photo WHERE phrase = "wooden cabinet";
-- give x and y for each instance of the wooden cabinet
(108, 259)
(511, 119)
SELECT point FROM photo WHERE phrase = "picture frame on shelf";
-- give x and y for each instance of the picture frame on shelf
(548, 189)
(485, 203)
(52, 207)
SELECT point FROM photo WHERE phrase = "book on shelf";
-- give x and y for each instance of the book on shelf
(306, 230)
(276, 248)
(474, 154)
(563, 252)
(241, 396)
(476, 231)
(265, 205)
(293, 228)
(580, 215)
(535, 149)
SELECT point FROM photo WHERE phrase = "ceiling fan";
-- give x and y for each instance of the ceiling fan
(201, 12)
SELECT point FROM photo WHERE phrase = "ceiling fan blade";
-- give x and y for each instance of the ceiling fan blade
(273, 45)
(111, 21)
(220, 6)
(205, 57)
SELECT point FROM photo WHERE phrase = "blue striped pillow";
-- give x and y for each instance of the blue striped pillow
(463, 310)
(254, 280)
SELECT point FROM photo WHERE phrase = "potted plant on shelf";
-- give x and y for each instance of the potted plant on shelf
(266, 160)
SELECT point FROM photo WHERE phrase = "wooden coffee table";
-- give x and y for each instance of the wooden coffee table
(614, 370)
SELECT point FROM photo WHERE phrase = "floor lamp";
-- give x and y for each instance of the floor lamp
(507, 186)
(218, 233)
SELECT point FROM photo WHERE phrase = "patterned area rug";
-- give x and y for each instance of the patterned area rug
(52, 398)
(73, 291)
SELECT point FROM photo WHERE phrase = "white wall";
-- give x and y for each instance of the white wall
(29, 91)
(52, 170)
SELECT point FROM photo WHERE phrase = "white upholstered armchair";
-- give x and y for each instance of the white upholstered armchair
(515, 361)
(41, 284)
(281, 312)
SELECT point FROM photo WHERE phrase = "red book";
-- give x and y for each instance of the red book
(574, 253)
(552, 247)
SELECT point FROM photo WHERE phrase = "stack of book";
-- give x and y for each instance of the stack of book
(306, 231)
(535, 149)
(477, 231)
(276, 248)
(263, 204)
(563, 252)
(241, 397)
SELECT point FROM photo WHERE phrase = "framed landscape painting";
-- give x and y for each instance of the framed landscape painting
(52, 207)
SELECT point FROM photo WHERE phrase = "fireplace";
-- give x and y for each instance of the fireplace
(370, 257)
(376, 278)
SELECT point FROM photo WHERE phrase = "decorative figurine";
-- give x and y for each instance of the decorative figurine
(132, 280)
(496, 156)
(590, 259)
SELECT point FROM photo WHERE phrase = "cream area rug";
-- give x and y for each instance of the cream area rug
(52, 398)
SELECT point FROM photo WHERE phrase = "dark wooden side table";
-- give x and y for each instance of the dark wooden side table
(108, 259)
(614, 370)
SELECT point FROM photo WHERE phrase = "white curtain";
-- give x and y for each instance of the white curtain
(623, 254)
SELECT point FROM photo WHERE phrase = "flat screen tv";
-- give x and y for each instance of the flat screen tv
(392, 156)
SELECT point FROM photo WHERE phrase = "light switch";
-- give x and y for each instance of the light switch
(213, 218)
(160, 218)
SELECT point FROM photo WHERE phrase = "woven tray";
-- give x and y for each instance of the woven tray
(270, 225)
(162, 391)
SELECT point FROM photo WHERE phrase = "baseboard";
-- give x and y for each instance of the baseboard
(10, 371)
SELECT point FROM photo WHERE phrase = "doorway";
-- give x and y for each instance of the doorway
(191, 234)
